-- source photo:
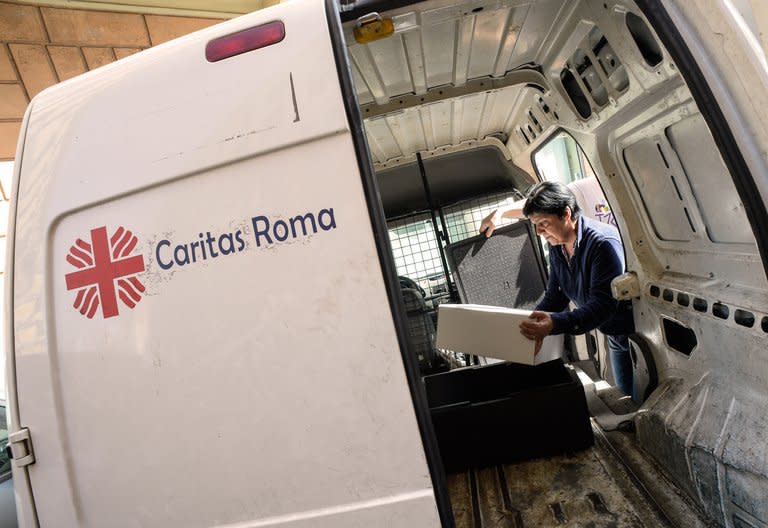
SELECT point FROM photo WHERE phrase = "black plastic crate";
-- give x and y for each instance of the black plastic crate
(507, 412)
(421, 330)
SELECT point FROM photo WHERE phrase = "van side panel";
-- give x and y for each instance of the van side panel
(241, 366)
(732, 62)
(702, 308)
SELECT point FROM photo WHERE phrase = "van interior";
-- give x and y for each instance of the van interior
(465, 106)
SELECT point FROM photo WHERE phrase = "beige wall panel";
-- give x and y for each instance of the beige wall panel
(67, 60)
(34, 68)
(96, 57)
(7, 73)
(19, 22)
(165, 28)
(9, 134)
(13, 101)
(66, 26)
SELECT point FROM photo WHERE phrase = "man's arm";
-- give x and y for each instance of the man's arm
(605, 265)
(554, 299)
(492, 221)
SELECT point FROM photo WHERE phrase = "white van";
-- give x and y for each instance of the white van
(205, 325)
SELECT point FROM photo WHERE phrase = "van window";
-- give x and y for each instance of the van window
(561, 159)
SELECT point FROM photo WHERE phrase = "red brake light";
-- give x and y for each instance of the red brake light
(243, 41)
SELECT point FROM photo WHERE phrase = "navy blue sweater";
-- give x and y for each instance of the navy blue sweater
(597, 259)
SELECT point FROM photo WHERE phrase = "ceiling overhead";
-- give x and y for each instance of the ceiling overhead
(46, 42)
(195, 8)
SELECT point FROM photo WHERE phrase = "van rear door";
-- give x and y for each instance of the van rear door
(202, 332)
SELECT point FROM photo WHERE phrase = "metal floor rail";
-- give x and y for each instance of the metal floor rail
(597, 487)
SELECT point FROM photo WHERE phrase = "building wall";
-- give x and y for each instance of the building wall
(40, 46)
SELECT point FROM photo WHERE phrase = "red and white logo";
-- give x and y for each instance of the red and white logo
(105, 272)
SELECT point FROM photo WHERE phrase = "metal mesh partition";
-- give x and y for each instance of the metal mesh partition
(415, 245)
(463, 219)
(417, 256)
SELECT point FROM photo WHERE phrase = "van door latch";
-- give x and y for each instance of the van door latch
(625, 287)
(20, 448)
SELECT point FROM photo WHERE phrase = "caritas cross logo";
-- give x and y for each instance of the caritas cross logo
(105, 272)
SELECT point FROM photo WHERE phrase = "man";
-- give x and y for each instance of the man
(584, 257)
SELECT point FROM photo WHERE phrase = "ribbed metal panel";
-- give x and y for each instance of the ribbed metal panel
(439, 124)
(448, 45)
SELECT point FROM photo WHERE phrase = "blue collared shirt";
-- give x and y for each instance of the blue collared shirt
(598, 257)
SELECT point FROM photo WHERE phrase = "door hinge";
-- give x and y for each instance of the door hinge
(20, 448)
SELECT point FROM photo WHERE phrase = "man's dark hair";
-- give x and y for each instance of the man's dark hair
(551, 198)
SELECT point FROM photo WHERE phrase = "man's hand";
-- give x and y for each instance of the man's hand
(537, 327)
(490, 222)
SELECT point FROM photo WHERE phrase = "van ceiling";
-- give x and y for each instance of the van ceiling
(445, 49)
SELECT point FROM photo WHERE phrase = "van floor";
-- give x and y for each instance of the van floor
(611, 484)
(577, 489)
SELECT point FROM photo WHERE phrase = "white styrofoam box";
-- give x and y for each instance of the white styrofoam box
(492, 331)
